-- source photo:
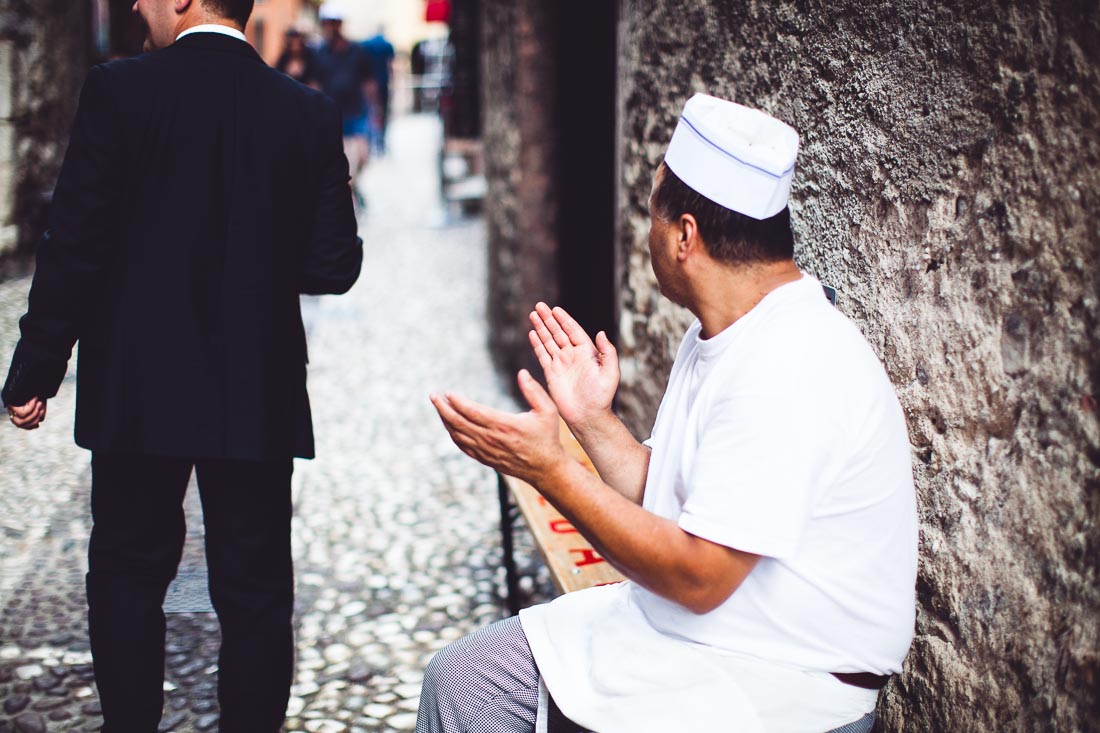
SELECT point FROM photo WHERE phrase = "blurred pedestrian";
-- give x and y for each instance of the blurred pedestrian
(186, 222)
(298, 60)
(381, 58)
(417, 66)
(345, 74)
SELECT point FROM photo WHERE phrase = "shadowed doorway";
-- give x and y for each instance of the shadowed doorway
(585, 64)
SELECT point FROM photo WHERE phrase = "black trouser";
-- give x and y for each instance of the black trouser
(137, 539)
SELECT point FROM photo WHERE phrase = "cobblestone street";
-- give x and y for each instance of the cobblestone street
(396, 533)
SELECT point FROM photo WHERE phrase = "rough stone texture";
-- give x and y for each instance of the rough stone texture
(48, 42)
(8, 233)
(947, 186)
(519, 158)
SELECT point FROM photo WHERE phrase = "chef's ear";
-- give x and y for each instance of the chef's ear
(689, 235)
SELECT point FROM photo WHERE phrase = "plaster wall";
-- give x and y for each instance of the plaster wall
(947, 186)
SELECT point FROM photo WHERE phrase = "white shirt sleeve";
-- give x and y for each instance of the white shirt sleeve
(752, 482)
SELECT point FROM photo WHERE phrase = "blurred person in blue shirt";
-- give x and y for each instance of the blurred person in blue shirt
(345, 74)
(381, 59)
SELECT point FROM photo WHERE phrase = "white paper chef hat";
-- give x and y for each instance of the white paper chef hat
(736, 156)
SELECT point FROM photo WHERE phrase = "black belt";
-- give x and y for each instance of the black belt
(866, 680)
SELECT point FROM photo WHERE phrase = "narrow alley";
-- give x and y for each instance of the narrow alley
(396, 533)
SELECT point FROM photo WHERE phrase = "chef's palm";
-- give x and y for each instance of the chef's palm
(582, 376)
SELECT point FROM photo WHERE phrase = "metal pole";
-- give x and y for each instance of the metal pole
(506, 520)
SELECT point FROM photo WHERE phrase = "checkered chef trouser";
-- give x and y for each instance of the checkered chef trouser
(487, 682)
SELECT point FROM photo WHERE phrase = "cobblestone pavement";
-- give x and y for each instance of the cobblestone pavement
(396, 534)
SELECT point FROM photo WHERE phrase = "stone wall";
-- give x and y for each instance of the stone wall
(44, 49)
(519, 148)
(948, 187)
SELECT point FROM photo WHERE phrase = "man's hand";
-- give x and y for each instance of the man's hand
(29, 416)
(582, 375)
(525, 445)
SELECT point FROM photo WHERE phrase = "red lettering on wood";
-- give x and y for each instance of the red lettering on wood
(588, 557)
(561, 526)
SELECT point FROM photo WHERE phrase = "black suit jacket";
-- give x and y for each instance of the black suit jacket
(201, 193)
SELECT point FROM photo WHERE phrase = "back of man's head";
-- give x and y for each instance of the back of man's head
(730, 237)
(237, 11)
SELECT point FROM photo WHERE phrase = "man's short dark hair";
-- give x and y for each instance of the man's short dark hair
(730, 237)
(235, 10)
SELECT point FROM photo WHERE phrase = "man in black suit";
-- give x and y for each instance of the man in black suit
(202, 192)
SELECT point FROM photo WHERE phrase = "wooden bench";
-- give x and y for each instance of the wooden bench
(572, 562)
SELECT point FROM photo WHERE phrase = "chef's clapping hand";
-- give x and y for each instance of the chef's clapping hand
(524, 445)
(582, 375)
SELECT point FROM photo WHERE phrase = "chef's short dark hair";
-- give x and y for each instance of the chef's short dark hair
(235, 10)
(730, 236)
